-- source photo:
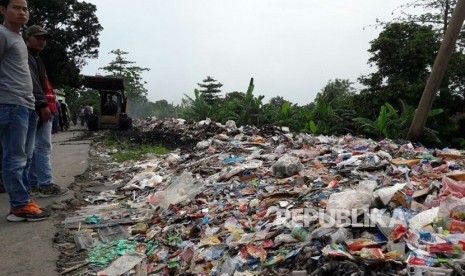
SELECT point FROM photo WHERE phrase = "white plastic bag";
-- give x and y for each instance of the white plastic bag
(180, 189)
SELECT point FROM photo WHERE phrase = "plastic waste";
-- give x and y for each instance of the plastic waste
(398, 247)
(231, 124)
(442, 248)
(83, 240)
(341, 235)
(452, 187)
(424, 218)
(349, 200)
(180, 189)
(229, 266)
(204, 144)
(233, 160)
(122, 265)
(143, 180)
(398, 233)
(371, 254)
(284, 238)
(384, 195)
(420, 270)
(300, 233)
(457, 226)
(286, 166)
(237, 223)
(93, 220)
(108, 234)
(356, 245)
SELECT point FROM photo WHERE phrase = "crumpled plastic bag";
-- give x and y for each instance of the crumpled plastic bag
(448, 204)
(372, 162)
(203, 144)
(286, 166)
(422, 219)
(142, 180)
(386, 194)
(205, 122)
(452, 187)
(178, 190)
(359, 199)
(231, 124)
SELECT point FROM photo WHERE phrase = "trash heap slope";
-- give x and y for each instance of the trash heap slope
(247, 201)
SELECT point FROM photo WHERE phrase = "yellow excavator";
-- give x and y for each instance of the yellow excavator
(113, 103)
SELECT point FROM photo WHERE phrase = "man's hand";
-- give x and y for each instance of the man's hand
(45, 114)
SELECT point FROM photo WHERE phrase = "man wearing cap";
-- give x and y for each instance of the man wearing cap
(17, 116)
(40, 171)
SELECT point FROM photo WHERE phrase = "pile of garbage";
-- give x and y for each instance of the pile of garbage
(245, 201)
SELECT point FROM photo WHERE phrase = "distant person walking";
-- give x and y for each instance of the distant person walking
(82, 114)
(88, 111)
(17, 112)
(64, 122)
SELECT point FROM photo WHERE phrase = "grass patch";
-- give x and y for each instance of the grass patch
(131, 151)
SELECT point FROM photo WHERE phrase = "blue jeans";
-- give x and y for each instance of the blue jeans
(17, 133)
(55, 124)
(40, 172)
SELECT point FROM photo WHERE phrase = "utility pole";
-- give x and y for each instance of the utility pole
(437, 73)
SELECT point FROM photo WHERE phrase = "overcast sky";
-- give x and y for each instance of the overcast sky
(291, 48)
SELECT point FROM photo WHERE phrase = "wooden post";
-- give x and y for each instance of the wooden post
(437, 73)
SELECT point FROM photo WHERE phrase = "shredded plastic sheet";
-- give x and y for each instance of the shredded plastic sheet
(452, 187)
(181, 188)
(93, 220)
(104, 254)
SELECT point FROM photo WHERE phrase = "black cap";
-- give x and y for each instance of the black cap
(36, 30)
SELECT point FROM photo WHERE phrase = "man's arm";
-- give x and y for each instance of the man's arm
(2, 46)
(41, 104)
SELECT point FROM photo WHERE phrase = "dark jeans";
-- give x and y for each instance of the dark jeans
(17, 132)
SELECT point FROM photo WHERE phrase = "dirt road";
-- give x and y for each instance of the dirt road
(27, 248)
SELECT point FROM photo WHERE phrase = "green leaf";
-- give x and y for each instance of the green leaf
(313, 127)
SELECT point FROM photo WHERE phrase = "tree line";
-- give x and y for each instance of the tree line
(402, 56)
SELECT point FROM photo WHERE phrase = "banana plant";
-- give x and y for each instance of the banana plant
(389, 124)
(380, 127)
(252, 107)
(196, 109)
(322, 120)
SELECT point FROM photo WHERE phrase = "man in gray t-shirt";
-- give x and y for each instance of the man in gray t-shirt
(17, 115)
